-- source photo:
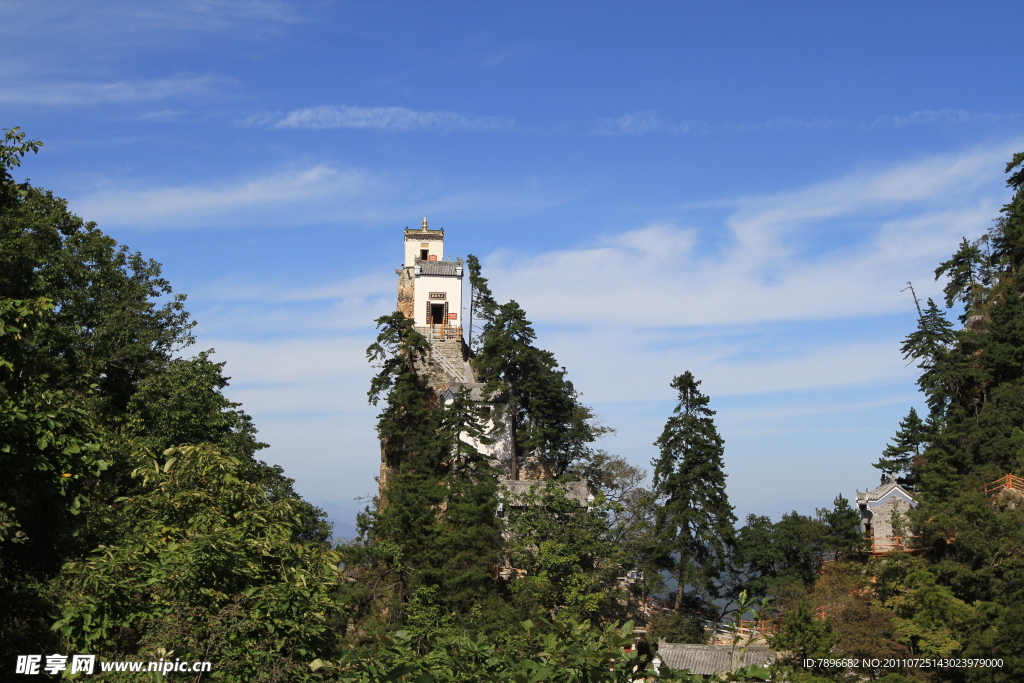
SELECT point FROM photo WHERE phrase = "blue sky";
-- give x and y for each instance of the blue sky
(738, 189)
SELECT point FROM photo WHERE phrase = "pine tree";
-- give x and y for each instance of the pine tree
(539, 409)
(803, 636)
(841, 529)
(482, 305)
(973, 380)
(435, 521)
(470, 528)
(694, 524)
(907, 447)
(930, 345)
(970, 276)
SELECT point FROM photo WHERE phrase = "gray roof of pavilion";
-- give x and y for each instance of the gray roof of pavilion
(882, 493)
(707, 660)
(445, 268)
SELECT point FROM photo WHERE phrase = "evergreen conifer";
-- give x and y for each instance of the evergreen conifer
(694, 523)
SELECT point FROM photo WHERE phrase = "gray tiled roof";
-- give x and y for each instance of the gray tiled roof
(418, 235)
(712, 659)
(439, 267)
(882, 492)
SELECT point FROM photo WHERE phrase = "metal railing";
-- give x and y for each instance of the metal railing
(720, 625)
(441, 333)
(1010, 482)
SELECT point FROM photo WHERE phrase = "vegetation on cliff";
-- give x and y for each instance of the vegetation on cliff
(136, 518)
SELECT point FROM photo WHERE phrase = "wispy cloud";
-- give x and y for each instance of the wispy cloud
(268, 10)
(933, 117)
(648, 121)
(304, 195)
(78, 93)
(134, 21)
(731, 363)
(651, 122)
(389, 118)
(774, 257)
(156, 207)
(784, 123)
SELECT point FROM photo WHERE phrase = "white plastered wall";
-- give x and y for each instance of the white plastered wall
(450, 286)
(414, 244)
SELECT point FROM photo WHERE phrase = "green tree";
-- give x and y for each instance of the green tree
(568, 552)
(471, 530)
(482, 306)
(997, 634)
(694, 524)
(90, 378)
(213, 568)
(970, 276)
(841, 535)
(906, 448)
(435, 525)
(769, 556)
(563, 651)
(539, 410)
(629, 503)
(973, 380)
(929, 346)
(803, 635)
(51, 460)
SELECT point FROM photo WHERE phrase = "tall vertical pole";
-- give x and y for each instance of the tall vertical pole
(471, 317)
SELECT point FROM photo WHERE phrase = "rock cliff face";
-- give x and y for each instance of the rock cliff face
(405, 291)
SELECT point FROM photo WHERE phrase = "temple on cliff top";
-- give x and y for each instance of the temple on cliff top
(430, 292)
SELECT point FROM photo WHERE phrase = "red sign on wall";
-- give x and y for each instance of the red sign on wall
(453, 316)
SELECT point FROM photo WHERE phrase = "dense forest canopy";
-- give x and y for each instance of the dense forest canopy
(136, 519)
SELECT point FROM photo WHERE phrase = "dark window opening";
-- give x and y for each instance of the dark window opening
(423, 254)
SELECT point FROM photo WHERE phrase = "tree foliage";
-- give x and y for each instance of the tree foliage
(694, 523)
(900, 456)
(436, 519)
(567, 552)
(539, 408)
(211, 557)
(203, 548)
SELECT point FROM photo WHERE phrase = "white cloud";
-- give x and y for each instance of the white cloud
(301, 375)
(648, 121)
(773, 263)
(389, 118)
(939, 117)
(637, 365)
(134, 22)
(297, 196)
(784, 123)
(190, 203)
(78, 93)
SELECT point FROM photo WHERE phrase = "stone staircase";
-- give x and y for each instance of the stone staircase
(448, 357)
